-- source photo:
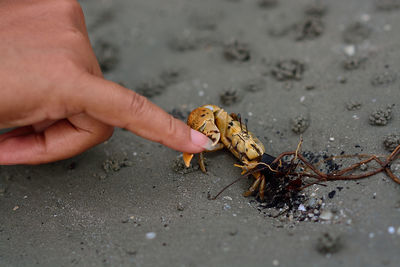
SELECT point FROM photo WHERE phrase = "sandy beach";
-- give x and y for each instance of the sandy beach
(327, 71)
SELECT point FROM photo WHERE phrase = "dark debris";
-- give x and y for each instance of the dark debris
(237, 51)
(289, 69)
(113, 165)
(381, 116)
(387, 5)
(180, 114)
(353, 62)
(317, 8)
(267, 3)
(300, 124)
(229, 97)
(352, 105)
(356, 33)
(384, 79)
(151, 88)
(178, 166)
(329, 243)
(391, 141)
(309, 28)
(254, 85)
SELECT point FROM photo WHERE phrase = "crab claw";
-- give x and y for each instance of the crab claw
(202, 119)
(187, 158)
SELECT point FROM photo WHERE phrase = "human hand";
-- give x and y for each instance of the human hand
(52, 90)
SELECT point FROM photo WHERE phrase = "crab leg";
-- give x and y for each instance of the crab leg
(202, 165)
(252, 188)
(262, 187)
(258, 183)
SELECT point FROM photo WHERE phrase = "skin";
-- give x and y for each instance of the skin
(53, 93)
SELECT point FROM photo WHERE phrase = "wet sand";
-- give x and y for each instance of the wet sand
(327, 71)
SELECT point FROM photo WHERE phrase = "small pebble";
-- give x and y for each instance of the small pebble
(15, 208)
(371, 235)
(341, 79)
(301, 208)
(331, 139)
(151, 235)
(365, 17)
(391, 230)
(227, 198)
(326, 215)
(349, 50)
(311, 202)
(363, 167)
(180, 206)
(227, 206)
(233, 232)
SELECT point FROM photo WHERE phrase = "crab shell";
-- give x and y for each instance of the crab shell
(241, 142)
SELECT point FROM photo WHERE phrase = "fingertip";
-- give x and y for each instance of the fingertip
(201, 140)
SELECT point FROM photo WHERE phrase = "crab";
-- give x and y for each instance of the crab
(227, 131)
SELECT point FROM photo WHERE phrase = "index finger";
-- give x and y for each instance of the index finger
(115, 105)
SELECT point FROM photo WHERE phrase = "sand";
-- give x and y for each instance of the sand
(288, 68)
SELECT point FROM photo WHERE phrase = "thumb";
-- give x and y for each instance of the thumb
(115, 105)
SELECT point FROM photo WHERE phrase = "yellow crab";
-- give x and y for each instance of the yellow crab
(227, 130)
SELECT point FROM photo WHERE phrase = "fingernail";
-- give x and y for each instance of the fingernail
(201, 140)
